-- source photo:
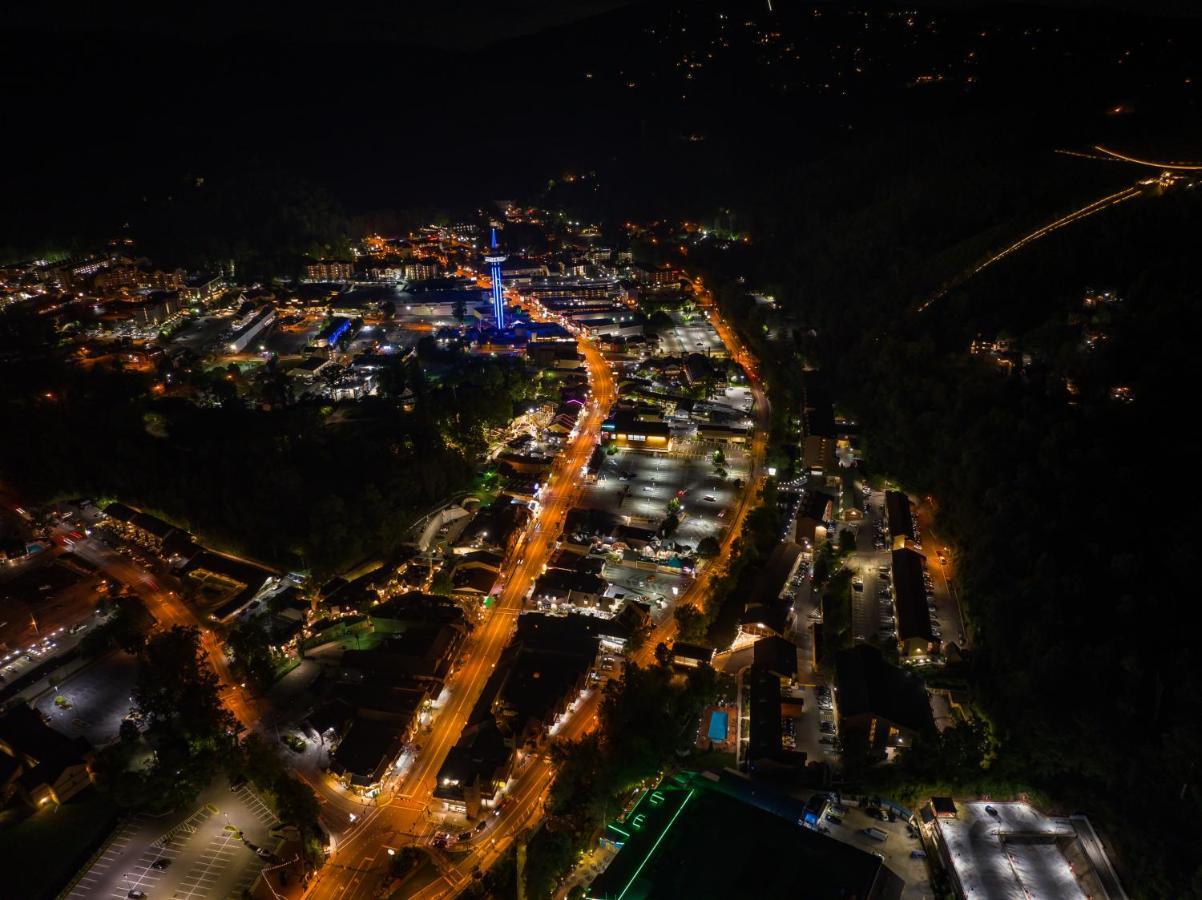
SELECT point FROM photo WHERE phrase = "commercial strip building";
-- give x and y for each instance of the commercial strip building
(232, 584)
(377, 697)
(142, 528)
(690, 656)
(1010, 851)
(538, 678)
(698, 836)
(241, 580)
(625, 429)
(250, 327)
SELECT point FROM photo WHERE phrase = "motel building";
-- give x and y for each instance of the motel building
(627, 432)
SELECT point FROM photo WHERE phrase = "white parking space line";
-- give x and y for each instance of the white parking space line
(257, 807)
(207, 870)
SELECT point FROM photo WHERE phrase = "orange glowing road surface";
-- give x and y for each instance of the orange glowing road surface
(524, 805)
(360, 863)
(360, 867)
(169, 609)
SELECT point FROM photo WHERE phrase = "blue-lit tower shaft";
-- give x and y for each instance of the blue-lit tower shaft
(494, 259)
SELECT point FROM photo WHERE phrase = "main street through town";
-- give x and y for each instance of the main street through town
(360, 863)
(524, 801)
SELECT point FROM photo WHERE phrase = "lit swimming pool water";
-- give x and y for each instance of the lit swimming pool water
(717, 729)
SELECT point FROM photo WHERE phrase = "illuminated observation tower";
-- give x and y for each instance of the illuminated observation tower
(494, 259)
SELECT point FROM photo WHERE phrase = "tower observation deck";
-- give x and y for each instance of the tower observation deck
(494, 257)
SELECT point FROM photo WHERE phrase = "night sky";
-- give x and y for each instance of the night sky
(386, 105)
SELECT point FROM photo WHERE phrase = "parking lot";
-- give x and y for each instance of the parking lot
(698, 336)
(638, 486)
(895, 849)
(737, 398)
(202, 332)
(654, 588)
(808, 729)
(869, 613)
(206, 852)
(98, 698)
(871, 609)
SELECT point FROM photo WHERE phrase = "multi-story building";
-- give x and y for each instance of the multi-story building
(330, 270)
(152, 310)
(421, 269)
(137, 276)
(915, 636)
(203, 289)
(882, 709)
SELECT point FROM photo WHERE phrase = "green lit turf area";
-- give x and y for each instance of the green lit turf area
(686, 838)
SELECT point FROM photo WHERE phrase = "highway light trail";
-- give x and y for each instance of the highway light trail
(1075, 216)
(1093, 156)
(1176, 166)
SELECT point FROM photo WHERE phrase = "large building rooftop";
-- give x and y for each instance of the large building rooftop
(688, 838)
(1010, 851)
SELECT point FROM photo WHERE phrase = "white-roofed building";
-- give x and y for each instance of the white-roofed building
(1011, 851)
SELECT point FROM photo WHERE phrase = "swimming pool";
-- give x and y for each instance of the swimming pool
(717, 729)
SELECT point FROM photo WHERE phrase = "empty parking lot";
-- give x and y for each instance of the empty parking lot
(205, 853)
